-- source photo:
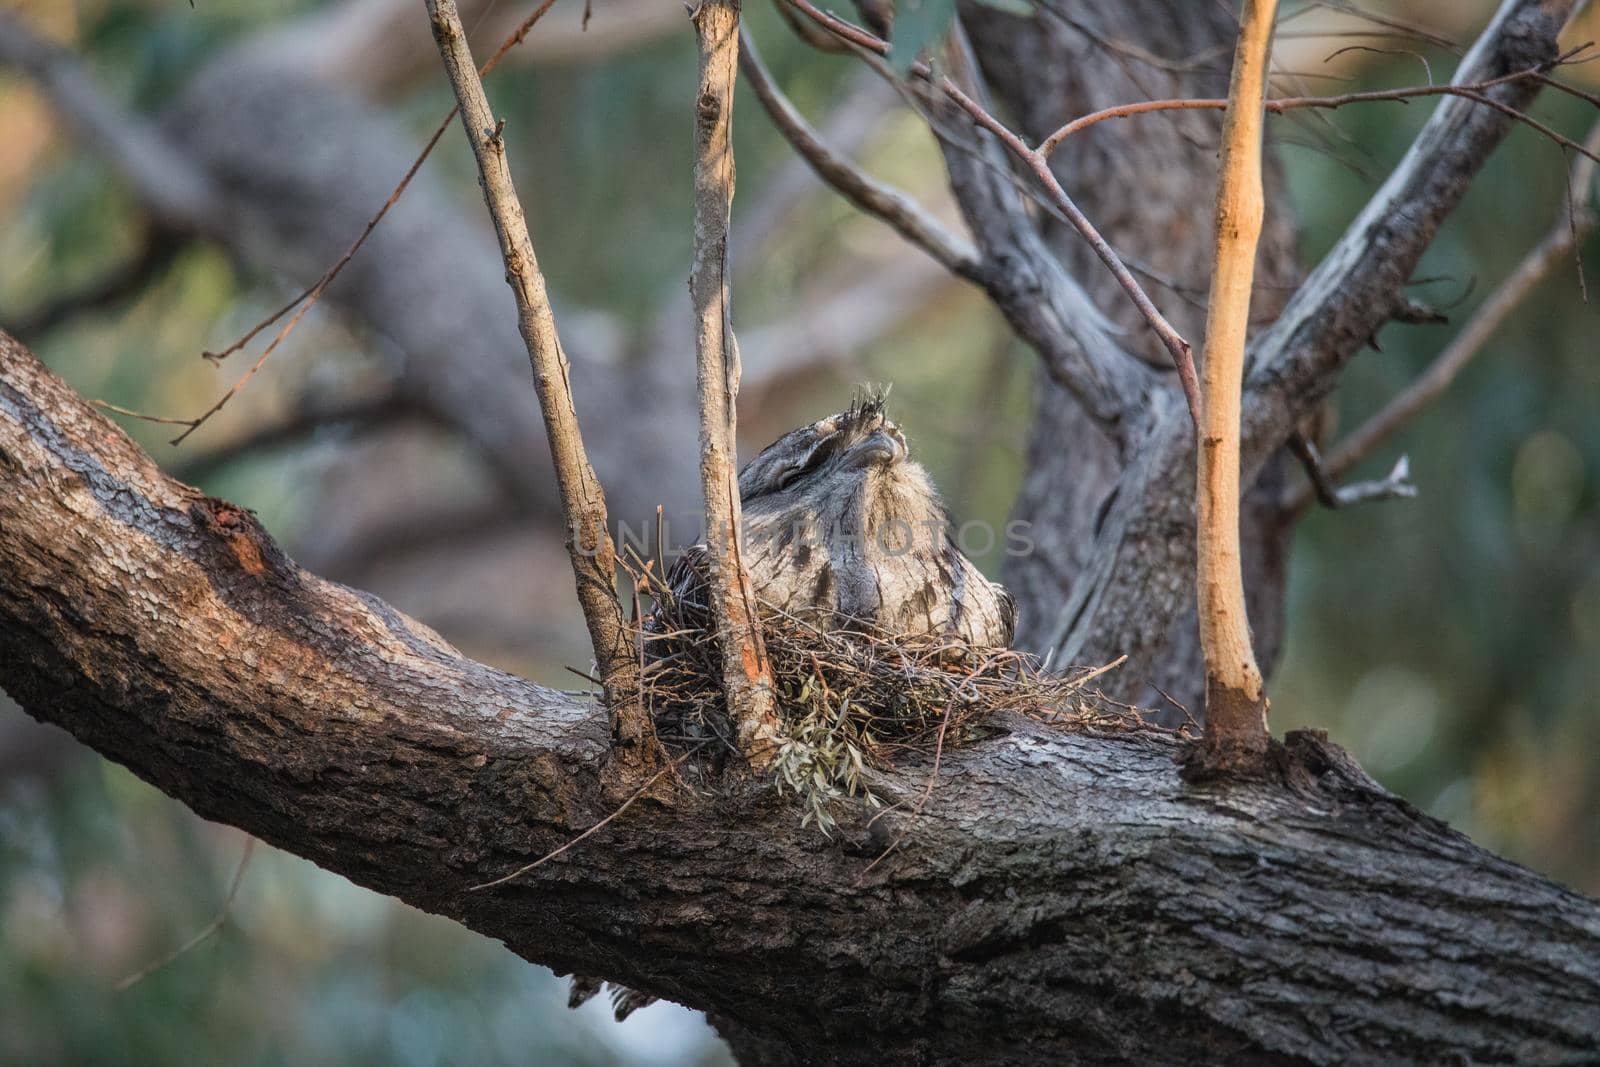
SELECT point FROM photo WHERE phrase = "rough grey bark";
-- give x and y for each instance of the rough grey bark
(1148, 184)
(1064, 897)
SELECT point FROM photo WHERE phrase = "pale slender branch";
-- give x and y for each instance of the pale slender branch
(746, 672)
(1179, 349)
(1397, 485)
(1236, 705)
(583, 502)
(1559, 243)
(899, 211)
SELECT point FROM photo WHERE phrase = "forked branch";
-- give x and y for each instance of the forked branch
(583, 502)
(1557, 247)
(746, 674)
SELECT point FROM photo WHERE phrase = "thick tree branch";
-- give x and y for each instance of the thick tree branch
(1062, 898)
(746, 672)
(583, 502)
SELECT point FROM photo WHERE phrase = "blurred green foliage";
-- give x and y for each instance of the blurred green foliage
(1452, 643)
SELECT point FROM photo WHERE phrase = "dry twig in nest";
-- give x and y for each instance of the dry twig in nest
(849, 700)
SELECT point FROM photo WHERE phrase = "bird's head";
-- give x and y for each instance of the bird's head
(860, 439)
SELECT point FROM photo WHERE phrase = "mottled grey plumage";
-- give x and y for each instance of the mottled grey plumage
(843, 527)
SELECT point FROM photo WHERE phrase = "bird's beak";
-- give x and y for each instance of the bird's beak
(880, 448)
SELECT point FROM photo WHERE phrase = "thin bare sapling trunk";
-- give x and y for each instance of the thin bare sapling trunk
(1236, 704)
(746, 673)
(583, 501)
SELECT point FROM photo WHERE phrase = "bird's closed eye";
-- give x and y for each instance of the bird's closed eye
(810, 461)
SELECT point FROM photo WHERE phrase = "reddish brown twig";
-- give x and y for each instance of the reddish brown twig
(899, 211)
(1472, 91)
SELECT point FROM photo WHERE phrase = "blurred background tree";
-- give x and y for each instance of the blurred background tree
(1452, 642)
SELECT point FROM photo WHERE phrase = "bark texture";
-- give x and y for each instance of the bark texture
(1147, 183)
(1064, 897)
(1110, 500)
(1236, 703)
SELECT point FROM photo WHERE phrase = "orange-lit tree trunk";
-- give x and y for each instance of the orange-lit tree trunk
(1236, 702)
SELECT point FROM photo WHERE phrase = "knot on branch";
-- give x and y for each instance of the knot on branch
(708, 108)
(1305, 762)
(243, 543)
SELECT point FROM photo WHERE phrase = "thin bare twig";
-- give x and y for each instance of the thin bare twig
(1472, 91)
(583, 502)
(1427, 68)
(314, 292)
(208, 930)
(746, 672)
(922, 801)
(596, 828)
(1561, 240)
(882, 201)
(381, 408)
